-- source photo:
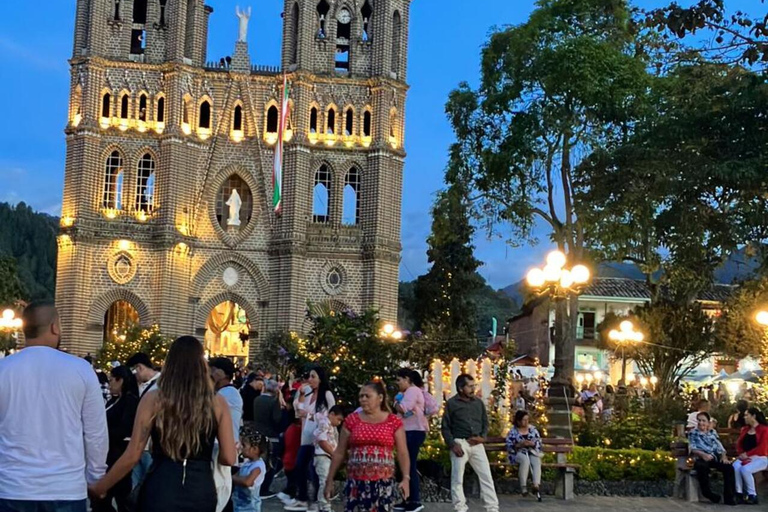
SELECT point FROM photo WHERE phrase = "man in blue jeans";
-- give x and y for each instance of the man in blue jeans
(54, 438)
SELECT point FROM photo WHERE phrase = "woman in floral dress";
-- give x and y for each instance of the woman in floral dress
(367, 441)
(524, 449)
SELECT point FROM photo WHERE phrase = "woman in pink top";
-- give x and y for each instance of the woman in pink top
(369, 438)
(409, 404)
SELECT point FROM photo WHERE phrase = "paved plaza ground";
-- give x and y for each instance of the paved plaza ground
(580, 504)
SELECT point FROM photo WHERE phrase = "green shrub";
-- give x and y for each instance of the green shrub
(615, 465)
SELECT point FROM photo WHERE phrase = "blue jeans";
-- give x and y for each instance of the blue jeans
(42, 506)
(141, 469)
(304, 472)
(414, 439)
(245, 499)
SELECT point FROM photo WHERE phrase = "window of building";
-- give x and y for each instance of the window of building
(161, 21)
(313, 120)
(295, 33)
(113, 182)
(205, 115)
(351, 213)
(138, 41)
(106, 105)
(272, 119)
(185, 103)
(366, 11)
(367, 123)
(396, 27)
(116, 12)
(349, 122)
(586, 326)
(237, 118)
(161, 110)
(322, 13)
(321, 195)
(330, 127)
(343, 34)
(124, 107)
(143, 107)
(140, 11)
(145, 186)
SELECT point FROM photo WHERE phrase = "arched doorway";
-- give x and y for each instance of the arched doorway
(119, 317)
(226, 331)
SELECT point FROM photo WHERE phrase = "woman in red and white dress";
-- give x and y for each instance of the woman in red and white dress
(368, 440)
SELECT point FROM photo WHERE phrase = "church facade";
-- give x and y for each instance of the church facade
(167, 214)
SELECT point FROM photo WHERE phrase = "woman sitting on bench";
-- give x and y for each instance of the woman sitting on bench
(524, 449)
(752, 447)
(706, 447)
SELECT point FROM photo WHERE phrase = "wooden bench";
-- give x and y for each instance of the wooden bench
(559, 446)
(686, 484)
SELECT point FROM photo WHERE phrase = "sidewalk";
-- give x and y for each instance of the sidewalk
(580, 504)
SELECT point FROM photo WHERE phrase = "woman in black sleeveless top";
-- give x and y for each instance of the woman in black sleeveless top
(183, 418)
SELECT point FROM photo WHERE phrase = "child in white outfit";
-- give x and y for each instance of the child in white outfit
(247, 482)
(326, 438)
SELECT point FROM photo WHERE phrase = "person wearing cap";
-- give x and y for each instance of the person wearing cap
(222, 373)
(146, 376)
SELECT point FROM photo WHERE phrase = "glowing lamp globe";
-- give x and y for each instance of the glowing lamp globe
(8, 315)
(556, 259)
(580, 274)
(535, 278)
(566, 279)
(614, 335)
(388, 329)
(551, 273)
(626, 326)
(762, 318)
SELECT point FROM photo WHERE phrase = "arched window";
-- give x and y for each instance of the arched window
(393, 126)
(237, 119)
(113, 182)
(143, 107)
(75, 115)
(396, 43)
(145, 186)
(321, 195)
(367, 12)
(367, 123)
(343, 35)
(161, 110)
(295, 33)
(349, 122)
(116, 13)
(120, 316)
(272, 119)
(205, 115)
(106, 105)
(322, 14)
(330, 127)
(162, 12)
(351, 213)
(313, 120)
(124, 107)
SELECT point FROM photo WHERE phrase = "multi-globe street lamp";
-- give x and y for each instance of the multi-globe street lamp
(390, 332)
(625, 335)
(11, 323)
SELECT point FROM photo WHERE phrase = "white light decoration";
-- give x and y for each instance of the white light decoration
(556, 259)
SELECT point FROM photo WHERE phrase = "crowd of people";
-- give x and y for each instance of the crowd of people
(199, 434)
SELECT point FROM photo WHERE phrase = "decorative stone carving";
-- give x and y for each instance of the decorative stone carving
(230, 276)
(333, 279)
(122, 267)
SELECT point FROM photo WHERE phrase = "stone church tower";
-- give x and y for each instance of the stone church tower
(160, 141)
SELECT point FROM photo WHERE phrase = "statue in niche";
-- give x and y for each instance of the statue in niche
(244, 16)
(321, 32)
(235, 203)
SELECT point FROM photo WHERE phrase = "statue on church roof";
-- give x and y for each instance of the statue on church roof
(235, 203)
(244, 16)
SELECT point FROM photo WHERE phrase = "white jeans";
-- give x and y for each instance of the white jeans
(477, 458)
(525, 463)
(322, 467)
(745, 473)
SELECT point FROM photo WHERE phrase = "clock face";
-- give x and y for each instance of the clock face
(344, 16)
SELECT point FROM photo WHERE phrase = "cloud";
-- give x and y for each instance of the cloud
(35, 58)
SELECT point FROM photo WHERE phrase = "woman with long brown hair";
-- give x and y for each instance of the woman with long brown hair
(183, 416)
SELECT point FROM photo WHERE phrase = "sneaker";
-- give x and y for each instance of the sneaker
(414, 507)
(751, 499)
(313, 508)
(284, 498)
(268, 495)
(401, 507)
(296, 506)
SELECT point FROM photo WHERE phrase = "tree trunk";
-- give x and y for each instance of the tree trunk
(565, 334)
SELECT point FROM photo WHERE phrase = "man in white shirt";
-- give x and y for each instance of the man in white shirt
(53, 439)
(146, 375)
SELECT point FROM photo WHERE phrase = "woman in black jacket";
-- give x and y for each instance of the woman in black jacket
(121, 412)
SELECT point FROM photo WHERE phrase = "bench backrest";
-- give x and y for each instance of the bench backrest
(548, 445)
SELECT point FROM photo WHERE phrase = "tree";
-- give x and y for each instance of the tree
(553, 89)
(738, 37)
(136, 339)
(685, 189)
(443, 309)
(10, 296)
(736, 328)
(680, 338)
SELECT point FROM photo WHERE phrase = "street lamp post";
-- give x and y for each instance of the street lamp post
(558, 282)
(11, 323)
(625, 334)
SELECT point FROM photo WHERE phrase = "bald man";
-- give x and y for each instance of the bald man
(53, 430)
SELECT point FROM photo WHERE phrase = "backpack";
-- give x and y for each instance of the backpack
(430, 405)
